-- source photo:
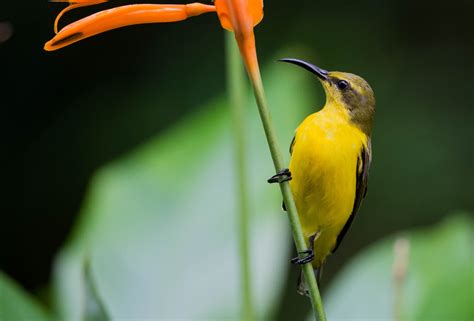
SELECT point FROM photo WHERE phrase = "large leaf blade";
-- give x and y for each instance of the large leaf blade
(439, 284)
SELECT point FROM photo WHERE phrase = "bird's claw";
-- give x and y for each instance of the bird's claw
(303, 260)
(282, 176)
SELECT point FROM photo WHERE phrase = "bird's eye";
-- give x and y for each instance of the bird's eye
(342, 84)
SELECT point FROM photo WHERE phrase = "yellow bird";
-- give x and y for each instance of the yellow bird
(330, 160)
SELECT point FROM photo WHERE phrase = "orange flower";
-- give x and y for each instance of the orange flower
(121, 17)
(239, 16)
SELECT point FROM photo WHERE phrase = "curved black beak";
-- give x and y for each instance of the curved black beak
(321, 73)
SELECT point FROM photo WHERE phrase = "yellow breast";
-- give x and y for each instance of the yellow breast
(323, 167)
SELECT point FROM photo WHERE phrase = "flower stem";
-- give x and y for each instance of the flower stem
(236, 89)
(401, 261)
(300, 242)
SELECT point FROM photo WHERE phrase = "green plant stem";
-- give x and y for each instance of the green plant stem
(315, 296)
(236, 89)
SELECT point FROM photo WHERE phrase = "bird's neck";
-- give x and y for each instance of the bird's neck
(336, 111)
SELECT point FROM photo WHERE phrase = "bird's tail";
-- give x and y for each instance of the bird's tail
(302, 287)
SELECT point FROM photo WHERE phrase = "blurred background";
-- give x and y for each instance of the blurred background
(92, 107)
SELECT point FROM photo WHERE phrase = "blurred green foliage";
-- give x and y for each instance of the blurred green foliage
(18, 305)
(439, 282)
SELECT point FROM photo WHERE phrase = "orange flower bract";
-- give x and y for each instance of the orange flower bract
(228, 11)
(123, 16)
(238, 16)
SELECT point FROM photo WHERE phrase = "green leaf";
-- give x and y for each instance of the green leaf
(160, 226)
(17, 305)
(439, 284)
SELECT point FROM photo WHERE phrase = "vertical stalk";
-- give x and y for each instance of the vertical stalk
(300, 242)
(236, 90)
(401, 251)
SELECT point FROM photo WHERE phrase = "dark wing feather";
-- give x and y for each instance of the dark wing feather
(292, 144)
(283, 206)
(362, 172)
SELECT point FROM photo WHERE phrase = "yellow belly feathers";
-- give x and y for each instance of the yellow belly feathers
(323, 167)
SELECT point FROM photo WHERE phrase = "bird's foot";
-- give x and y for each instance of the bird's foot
(282, 176)
(303, 260)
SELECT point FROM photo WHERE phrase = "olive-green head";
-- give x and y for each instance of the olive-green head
(347, 90)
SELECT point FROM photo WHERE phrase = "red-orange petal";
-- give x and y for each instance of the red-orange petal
(229, 10)
(240, 16)
(73, 5)
(124, 16)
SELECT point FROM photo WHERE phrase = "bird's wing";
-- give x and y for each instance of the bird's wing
(283, 206)
(292, 144)
(362, 172)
